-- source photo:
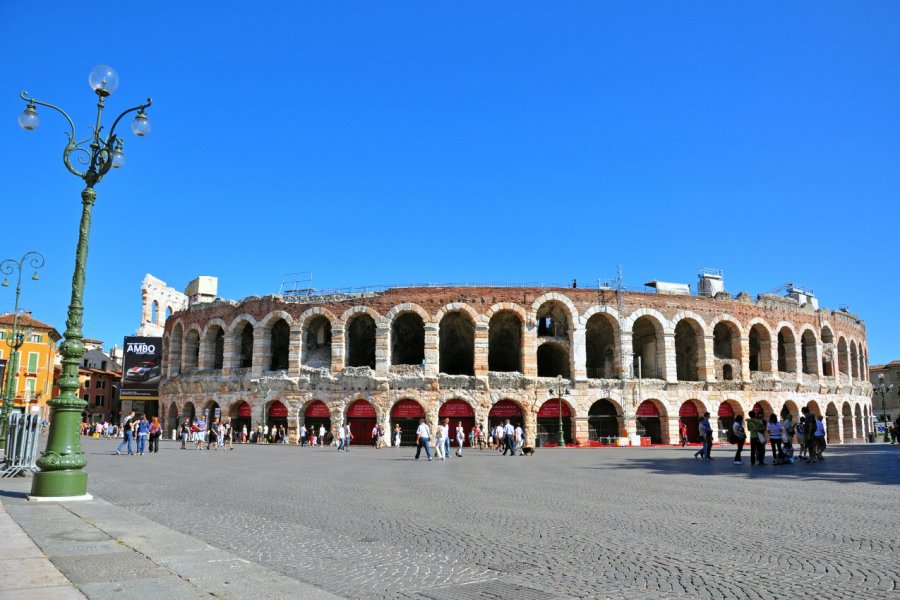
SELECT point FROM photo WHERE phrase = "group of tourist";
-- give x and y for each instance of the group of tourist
(143, 432)
(100, 429)
(312, 437)
(508, 437)
(809, 432)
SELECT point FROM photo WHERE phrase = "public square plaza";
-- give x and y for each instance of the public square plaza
(574, 523)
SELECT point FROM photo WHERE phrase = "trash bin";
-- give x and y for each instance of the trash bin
(871, 438)
(537, 442)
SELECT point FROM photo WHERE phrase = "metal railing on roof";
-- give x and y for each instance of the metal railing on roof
(381, 288)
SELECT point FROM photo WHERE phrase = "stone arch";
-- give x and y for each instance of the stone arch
(242, 343)
(316, 329)
(605, 421)
(360, 335)
(407, 307)
(809, 360)
(854, 360)
(858, 414)
(690, 349)
(279, 343)
(553, 360)
(787, 348)
(602, 348)
(813, 407)
(506, 340)
(456, 307)
(829, 350)
(760, 346)
(764, 406)
(154, 312)
(172, 420)
(652, 421)
(832, 435)
(555, 319)
(213, 345)
(690, 412)
(189, 412)
(571, 313)
(843, 355)
(456, 342)
(190, 357)
(847, 421)
(407, 336)
(648, 328)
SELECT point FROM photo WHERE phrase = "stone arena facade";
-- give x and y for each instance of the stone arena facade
(611, 365)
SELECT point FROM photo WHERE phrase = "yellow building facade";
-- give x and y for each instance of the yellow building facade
(34, 376)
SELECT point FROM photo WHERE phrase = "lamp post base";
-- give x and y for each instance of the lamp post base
(59, 498)
(59, 485)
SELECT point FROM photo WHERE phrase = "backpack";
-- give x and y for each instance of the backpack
(731, 436)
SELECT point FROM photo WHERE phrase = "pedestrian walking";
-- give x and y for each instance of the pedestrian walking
(185, 432)
(460, 438)
(423, 439)
(757, 428)
(708, 438)
(143, 430)
(519, 437)
(244, 434)
(340, 445)
(682, 428)
(397, 432)
(445, 436)
(126, 440)
(737, 429)
(775, 435)
(348, 437)
(213, 438)
(508, 439)
(322, 432)
(303, 436)
(229, 433)
(155, 433)
(704, 430)
(819, 436)
(809, 435)
(801, 437)
(439, 445)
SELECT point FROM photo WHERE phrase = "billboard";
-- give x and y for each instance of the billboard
(141, 368)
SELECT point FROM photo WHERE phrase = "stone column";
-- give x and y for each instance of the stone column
(707, 370)
(262, 343)
(579, 353)
(204, 357)
(745, 360)
(337, 349)
(481, 349)
(773, 355)
(798, 361)
(228, 358)
(626, 356)
(295, 348)
(529, 345)
(670, 365)
(432, 344)
(382, 348)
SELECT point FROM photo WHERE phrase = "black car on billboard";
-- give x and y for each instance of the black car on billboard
(143, 371)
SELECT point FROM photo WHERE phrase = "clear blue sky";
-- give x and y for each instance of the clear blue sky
(467, 141)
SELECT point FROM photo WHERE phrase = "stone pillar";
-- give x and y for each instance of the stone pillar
(529, 345)
(228, 359)
(745, 360)
(293, 427)
(672, 426)
(529, 426)
(481, 349)
(382, 348)
(626, 356)
(175, 357)
(295, 347)
(262, 344)
(579, 353)
(580, 425)
(707, 363)
(338, 352)
(840, 427)
(669, 365)
(432, 344)
(205, 356)
(773, 355)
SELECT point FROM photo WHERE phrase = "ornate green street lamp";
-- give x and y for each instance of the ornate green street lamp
(884, 390)
(62, 462)
(560, 390)
(16, 338)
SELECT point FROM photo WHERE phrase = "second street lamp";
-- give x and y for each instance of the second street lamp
(559, 391)
(884, 390)
(61, 464)
(16, 338)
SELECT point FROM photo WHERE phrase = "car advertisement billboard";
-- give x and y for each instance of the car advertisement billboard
(141, 369)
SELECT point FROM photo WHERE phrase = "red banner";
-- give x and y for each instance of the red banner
(550, 409)
(244, 410)
(505, 408)
(688, 409)
(647, 409)
(456, 409)
(277, 409)
(725, 410)
(407, 409)
(361, 410)
(318, 410)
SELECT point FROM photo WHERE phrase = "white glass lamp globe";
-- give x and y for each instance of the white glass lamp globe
(29, 119)
(118, 158)
(141, 125)
(104, 80)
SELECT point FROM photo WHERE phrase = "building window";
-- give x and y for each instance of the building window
(98, 400)
(30, 384)
(103, 365)
(87, 397)
(32, 363)
(87, 383)
(36, 338)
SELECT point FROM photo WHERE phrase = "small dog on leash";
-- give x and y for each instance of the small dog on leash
(527, 451)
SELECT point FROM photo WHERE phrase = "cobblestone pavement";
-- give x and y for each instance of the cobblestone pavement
(613, 523)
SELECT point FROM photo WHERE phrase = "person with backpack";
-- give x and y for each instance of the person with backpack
(705, 434)
(757, 427)
(736, 435)
(809, 432)
(126, 429)
(801, 437)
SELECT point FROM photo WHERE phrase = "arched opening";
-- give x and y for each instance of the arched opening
(459, 412)
(760, 349)
(549, 422)
(604, 425)
(362, 418)
(316, 417)
(647, 348)
(277, 417)
(502, 410)
(240, 418)
(600, 347)
(847, 421)
(827, 352)
(280, 343)
(763, 409)
(406, 414)
(214, 348)
(854, 360)
(688, 350)
(505, 342)
(859, 423)
(651, 422)
(457, 344)
(168, 313)
(407, 339)
(553, 360)
(843, 357)
(808, 352)
(361, 342)
(172, 419)
(787, 356)
(831, 424)
(790, 408)
(243, 347)
(728, 410)
(689, 415)
(188, 413)
(211, 412)
(553, 320)
(317, 343)
(154, 312)
(726, 349)
(191, 357)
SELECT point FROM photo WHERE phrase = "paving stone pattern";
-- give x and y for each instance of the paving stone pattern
(614, 523)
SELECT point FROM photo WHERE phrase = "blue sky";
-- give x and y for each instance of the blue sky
(506, 141)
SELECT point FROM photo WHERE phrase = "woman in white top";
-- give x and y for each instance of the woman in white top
(397, 432)
(775, 434)
(439, 444)
(460, 438)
